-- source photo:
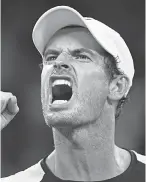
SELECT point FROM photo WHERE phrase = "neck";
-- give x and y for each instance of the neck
(87, 153)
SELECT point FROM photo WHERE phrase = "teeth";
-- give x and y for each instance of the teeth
(59, 101)
(60, 82)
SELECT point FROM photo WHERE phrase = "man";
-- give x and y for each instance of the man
(87, 71)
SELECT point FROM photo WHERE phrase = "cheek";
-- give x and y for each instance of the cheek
(93, 84)
(45, 80)
(92, 77)
(46, 71)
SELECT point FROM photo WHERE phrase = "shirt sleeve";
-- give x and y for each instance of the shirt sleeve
(140, 158)
(34, 173)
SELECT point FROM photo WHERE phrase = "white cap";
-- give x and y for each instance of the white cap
(62, 16)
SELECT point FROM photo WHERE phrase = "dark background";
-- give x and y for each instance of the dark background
(27, 139)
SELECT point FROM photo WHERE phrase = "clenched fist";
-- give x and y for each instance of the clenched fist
(9, 108)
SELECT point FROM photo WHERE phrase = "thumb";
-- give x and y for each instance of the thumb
(12, 106)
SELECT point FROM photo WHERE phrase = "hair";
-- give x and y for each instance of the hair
(111, 66)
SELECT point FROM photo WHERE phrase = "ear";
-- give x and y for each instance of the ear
(118, 87)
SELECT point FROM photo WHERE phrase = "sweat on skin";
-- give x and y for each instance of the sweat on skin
(84, 129)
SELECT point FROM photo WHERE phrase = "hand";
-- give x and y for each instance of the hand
(9, 108)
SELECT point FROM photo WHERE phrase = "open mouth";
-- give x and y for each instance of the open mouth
(61, 91)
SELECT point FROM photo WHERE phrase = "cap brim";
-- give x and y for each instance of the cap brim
(53, 20)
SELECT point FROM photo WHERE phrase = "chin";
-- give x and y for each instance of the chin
(60, 119)
(75, 117)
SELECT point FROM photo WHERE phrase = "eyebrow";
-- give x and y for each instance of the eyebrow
(81, 50)
(51, 51)
(72, 52)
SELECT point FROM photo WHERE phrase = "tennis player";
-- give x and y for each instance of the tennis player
(87, 72)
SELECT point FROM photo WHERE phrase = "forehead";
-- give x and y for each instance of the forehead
(74, 38)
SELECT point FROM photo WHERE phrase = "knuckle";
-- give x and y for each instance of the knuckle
(17, 110)
(9, 94)
(6, 95)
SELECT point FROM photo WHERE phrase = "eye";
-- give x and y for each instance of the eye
(81, 57)
(51, 58)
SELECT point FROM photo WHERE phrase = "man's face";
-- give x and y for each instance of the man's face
(74, 84)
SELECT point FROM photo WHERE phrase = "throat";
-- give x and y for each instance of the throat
(79, 167)
(96, 161)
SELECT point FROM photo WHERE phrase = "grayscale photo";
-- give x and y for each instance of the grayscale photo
(72, 91)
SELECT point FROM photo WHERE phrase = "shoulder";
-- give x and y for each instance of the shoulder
(136, 171)
(140, 158)
(32, 174)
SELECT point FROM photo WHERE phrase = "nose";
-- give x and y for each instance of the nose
(61, 65)
(62, 62)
